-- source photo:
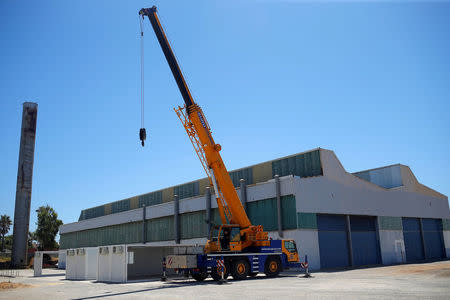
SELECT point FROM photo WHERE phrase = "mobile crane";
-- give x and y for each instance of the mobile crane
(245, 249)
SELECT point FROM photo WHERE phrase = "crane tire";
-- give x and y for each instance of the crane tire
(240, 269)
(272, 267)
(200, 276)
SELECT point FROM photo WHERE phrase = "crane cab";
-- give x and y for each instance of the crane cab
(289, 248)
(224, 238)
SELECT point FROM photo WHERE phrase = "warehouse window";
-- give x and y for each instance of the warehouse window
(120, 206)
(186, 190)
(150, 199)
(246, 174)
(303, 165)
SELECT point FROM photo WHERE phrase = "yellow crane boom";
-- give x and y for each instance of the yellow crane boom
(231, 211)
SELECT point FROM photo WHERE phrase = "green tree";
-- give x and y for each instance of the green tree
(8, 242)
(31, 239)
(47, 227)
(5, 225)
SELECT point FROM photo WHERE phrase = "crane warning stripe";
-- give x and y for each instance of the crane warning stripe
(220, 263)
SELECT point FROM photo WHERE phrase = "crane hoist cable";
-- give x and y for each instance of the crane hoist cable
(142, 132)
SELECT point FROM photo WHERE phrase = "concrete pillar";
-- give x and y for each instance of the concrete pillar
(208, 209)
(278, 193)
(23, 188)
(377, 234)
(176, 214)
(444, 251)
(144, 224)
(349, 241)
(243, 191)
(425, 256)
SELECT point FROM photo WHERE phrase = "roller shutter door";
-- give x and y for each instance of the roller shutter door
(432, 234)
(413, 239)
(333, 245)
(364, 241)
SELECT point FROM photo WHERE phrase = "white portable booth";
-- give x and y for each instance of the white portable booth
(112, 263)
(121, 263)
(81, 263)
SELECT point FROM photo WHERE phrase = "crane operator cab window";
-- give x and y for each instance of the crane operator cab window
(225, 237)
(290, 246)
(290, 250)
(235, 234)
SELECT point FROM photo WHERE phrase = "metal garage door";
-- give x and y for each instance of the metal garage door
(413, 239)
(432, 234)
(364, 241)
(333, 245)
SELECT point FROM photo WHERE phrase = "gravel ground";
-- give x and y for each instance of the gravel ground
(415, 281)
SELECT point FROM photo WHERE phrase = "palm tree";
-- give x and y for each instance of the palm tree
(5, 225)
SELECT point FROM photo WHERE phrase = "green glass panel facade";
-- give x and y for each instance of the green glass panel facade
(193, 225)
(93, 212)
(306, 220)
(264, 212)
(186, 190)
(150, 199)
(119, 206)
(390, 223)
(160, 229)
(303, 165)
(246, 174)
(215, 216)
(127, 233)
(288, 212)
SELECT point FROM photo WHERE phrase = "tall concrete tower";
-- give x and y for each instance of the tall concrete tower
(24, 181)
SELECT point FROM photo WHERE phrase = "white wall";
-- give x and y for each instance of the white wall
(119, 265)
(324, 195)
(307, 241)
(339, 192)
(392, 247)
(91, 261)
(104, 266)
(112, 267)
(71, 265)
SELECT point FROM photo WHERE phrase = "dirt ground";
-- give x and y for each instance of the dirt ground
(412, 281)
(6, 285)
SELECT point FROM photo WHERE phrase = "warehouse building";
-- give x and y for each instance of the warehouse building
(339, 219)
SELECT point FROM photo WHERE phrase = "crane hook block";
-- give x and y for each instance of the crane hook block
(142, 135)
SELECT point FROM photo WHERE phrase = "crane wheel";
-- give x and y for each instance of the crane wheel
(217, 275)
(272, 267)
(240, 269)
(200, 276)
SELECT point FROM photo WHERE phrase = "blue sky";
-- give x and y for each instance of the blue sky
(370, 81)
